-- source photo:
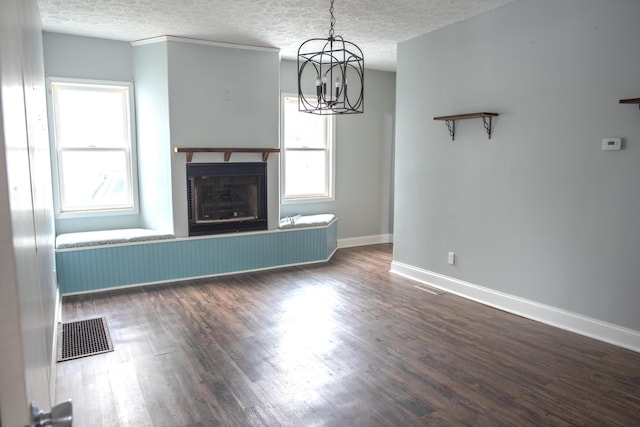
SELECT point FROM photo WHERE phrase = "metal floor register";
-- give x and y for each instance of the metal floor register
(83, 338)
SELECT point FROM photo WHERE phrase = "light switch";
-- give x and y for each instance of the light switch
(611, 143)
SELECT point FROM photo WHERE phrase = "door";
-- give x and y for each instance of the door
(27, 277)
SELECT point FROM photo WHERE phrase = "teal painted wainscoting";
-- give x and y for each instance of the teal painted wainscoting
(103, 267)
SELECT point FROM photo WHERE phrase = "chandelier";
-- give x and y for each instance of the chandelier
(330, 75)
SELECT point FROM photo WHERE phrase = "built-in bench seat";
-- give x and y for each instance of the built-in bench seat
(108, 237)
(92, 262)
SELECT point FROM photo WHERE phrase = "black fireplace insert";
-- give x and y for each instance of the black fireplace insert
(226, 197)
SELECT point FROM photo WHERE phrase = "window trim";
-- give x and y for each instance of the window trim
(331, 161)
(54, 152)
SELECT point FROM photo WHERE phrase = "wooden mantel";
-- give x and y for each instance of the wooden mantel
(227, 151)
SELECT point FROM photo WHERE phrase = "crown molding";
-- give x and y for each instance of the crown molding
(160, 39)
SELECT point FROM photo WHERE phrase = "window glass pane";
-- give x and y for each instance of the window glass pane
(303, 130)
(91, 179)
(306, 174)
(307, 140)
(91, 116)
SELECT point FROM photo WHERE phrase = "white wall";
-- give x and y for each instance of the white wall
(538, 211)
(364, 160)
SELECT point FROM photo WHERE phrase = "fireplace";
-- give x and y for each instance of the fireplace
(226, 197)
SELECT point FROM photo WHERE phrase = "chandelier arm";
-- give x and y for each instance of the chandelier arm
(302, 98)
(358, 103)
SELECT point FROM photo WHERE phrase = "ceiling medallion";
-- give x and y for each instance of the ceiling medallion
(336, 68)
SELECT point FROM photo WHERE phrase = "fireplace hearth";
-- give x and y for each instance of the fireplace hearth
(226, 197)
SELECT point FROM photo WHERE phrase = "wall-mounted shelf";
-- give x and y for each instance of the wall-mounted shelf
(631, 101)
(227, 151)
(451, 121)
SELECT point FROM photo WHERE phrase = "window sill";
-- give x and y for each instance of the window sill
(97, 214)
(292, 201)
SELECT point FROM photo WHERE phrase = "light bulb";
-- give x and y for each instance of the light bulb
(324, 85)
(318, 87)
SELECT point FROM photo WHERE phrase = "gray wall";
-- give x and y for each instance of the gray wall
(193, 95)
(222, 97)
(538, 211)
(364, 159)
(89, 58)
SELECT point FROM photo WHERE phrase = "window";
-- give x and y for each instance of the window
(307, 140)
(93, 147)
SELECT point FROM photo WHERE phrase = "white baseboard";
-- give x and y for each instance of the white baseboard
(583, 325)
(365, 240)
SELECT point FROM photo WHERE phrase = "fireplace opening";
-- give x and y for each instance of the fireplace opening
(226, 197)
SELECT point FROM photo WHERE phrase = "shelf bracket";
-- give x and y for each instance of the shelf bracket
(451, 121)
(487, 124)
(451, 125)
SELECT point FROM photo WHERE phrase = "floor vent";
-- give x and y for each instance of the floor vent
(83, 338)
(429, 289)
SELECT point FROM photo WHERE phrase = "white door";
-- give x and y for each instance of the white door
(27, 278)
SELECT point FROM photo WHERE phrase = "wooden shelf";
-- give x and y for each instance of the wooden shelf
(227, 151)
(451, 121)
(466, 116)
(630, 101)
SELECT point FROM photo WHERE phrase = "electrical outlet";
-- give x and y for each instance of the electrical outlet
(452, 258)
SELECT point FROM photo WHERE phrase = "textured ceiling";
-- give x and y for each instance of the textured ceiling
(376, 26)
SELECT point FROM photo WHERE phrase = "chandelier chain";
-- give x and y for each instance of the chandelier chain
(333, 21)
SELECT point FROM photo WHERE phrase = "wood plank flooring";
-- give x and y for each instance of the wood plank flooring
(343, 343)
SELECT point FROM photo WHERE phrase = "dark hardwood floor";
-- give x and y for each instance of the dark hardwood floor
(343, 343)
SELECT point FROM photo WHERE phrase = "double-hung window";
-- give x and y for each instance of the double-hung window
(307, 140)
(93, 151)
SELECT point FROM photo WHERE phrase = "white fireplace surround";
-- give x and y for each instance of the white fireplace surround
(179, 173)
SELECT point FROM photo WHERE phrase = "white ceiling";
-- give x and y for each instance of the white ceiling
(376, 26)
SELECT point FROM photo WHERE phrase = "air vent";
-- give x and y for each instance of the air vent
(429, 289)
(83, 338)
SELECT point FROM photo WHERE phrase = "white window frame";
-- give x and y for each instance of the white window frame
(56, 151)
(330, 157)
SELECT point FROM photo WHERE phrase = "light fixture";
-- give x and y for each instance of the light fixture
(331, 69)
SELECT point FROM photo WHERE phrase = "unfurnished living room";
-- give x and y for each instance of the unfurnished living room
(319, 213)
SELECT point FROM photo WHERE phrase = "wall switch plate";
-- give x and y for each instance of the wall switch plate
(452, 258)
(611, 144)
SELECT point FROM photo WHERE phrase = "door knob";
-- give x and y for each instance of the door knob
(61, 415)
